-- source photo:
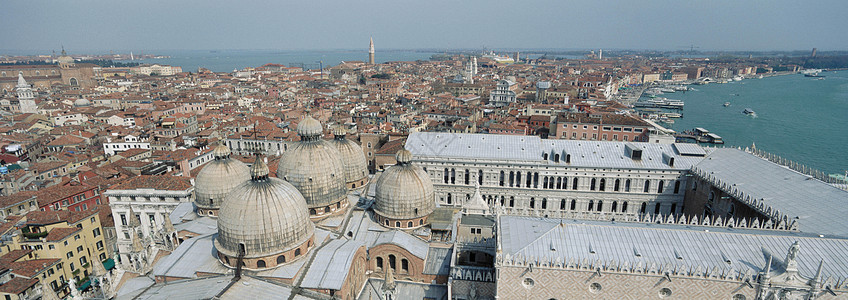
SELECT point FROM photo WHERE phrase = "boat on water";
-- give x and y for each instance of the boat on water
(673, 115)
(813, 75)
(820, 78)
(726, 104)
(737, 78)
(748, 111)
(666, 90)
(760, 77)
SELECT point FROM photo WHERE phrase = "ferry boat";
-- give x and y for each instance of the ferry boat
(726, 104)
(748, 111)
(813, 75)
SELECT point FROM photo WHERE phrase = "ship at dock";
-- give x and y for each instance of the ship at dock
(660, 103)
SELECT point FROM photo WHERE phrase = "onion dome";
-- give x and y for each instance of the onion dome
(309, 127)
(265, 219)
(353, 159)
(404, 196)
(82, 102)
(217, 179)
(315, 168)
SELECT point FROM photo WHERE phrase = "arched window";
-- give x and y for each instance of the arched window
(545, 182)
(573, 204)
(556, 157)
(501, 183)
(511, 201)
(617, 182)
(518, 178)
(559, 183)
(644, 206)
(453, 176)
(397, 223)
(379, 262)
(562, 204)
(387, 222)
(600, 205)
(647, 186)
(657, 209)
(74, 82)
(624, 206)
(242, 248)
(591, 205)
(574, 184)
(281, 259)
(503, 198)
(392, 262)
(603, 185)
(660, 187)
(480, 177)
(511, 178)
(627, 185)
(676, 186)
(565, 183)
(592, 185)
(409, 224)
(467, 176)
(532, 203)
(446, 175)
(614, 206)
(449, 198)
(674, 209)
(260, 263)
(297, 252)
(421, 222)
(544, 156)
(544, 203)
(404, 265)
(535, 180)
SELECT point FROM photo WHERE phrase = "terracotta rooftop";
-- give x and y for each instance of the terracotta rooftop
(17, 285)
(160, 182)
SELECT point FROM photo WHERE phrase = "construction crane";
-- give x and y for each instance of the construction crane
(691, 48)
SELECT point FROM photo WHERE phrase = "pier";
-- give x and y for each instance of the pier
(699, 135)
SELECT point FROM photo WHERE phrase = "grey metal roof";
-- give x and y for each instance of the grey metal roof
(707, 247)
(201, 226)
(331, 265)
(203, 288)
(820, 207)
(256, 288)
(135, 286)
(477, 220)
(529, 149)
(438, 261)
(402, 239)
(182, 212)
(689, 149)
(404, 290)
(190, 256)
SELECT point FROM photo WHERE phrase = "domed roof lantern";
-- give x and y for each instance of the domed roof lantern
(221, 151)
(259, 170)
(403, 157)
(309, 128)
(339, 133)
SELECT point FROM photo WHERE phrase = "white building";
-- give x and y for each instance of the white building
(26, 98)
(504, 93)
(157, 69)
(67, 118)
(118, 144)
(526, 175)
(151, 199)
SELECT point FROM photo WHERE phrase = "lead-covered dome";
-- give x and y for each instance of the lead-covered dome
(82, 102)
(315, 168)
(404, 196)
(353, 159)
(217, 179)
(266, 219)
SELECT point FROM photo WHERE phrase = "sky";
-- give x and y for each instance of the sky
(97, 25)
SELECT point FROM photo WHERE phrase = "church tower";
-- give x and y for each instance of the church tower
(371, 52)
(25, 96)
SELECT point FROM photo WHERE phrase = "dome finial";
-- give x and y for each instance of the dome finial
(309, 128)
(403, 157)
(259, 170)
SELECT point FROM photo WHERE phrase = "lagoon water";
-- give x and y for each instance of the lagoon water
(229, 60)
(799, 118)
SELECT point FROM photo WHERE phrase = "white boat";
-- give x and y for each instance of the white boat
(737, 78)
(748, 111)
(667, 90)
(726, 104)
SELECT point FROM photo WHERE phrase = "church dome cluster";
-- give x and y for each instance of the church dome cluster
(353, 159)
(217, 179)
(404, 194)
(264, 219)
(315, 168)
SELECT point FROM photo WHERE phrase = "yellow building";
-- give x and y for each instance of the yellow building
(60, 245)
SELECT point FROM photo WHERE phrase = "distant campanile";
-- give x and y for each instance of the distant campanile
(371, 52)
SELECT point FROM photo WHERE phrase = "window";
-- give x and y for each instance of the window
(72, 267)
(574, 184)
(404, 265)
(647, 186)
(644, 206)
(603, 184)
(592, 184)
(379, 262)
(297, 252)
(51, 247)
(614, 206)
(99, 245)
(660, 187)
(624, 206)
(260, 263)
(392, 262)
(573, 204)
(79, 249)
(96, 232)
(532, 203)
(69, 254)
(600, 205)
(83, 260)
(282, 259)
(657, 209)
(591, 205)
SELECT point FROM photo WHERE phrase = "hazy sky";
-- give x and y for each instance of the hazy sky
(86, 25)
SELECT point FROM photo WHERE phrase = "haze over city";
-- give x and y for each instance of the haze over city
(97, 26)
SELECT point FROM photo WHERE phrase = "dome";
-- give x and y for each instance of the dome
(404, 193)
(82, 102)
(264, 217)
(353, 159)
(217, 179)
(315, 167)
(309, 127)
